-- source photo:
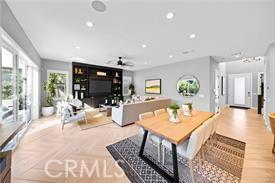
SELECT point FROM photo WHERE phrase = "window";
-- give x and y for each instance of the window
(16, 81)
(8, 107)
(61, 83)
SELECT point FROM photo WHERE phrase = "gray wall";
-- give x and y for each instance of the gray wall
(47, 64)
(223, 98)
(238, 67)
(213, 67)
(169, 75)
(14, 29)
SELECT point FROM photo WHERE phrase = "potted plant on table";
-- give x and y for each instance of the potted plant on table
(173, 113)
(187, 109)
(49, 87)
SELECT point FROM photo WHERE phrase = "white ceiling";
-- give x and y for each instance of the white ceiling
(56, 27)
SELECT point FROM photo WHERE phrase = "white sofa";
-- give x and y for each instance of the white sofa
(128, 113)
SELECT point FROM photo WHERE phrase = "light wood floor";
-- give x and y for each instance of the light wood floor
(45, 141)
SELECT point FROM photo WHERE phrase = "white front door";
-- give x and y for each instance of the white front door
(240, 90)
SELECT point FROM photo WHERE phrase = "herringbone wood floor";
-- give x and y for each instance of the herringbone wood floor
(45, 141)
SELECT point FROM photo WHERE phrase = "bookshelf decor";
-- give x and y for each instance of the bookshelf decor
(93, 84)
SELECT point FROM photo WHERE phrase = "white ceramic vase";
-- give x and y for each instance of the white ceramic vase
(173, 117)
(47, 111)
(185, 109)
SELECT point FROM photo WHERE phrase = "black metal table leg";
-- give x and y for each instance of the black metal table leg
(175, 163)
(143, 143)
(156, 167)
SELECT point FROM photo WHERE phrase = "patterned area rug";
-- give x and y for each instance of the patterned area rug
(223, 161)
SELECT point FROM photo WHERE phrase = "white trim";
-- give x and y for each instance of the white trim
(6, 38)
(67, 79)
(8, 43)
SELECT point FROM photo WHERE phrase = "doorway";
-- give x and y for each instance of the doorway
(240, 90)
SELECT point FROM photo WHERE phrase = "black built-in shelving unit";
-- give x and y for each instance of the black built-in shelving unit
(81, 76)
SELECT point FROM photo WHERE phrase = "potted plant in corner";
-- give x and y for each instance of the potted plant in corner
(132, 89)
(49, 88)
(173, 113)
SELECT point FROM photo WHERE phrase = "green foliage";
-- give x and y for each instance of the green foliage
(190, 106)
(188, 87)
(174, 107)
(7, 91)
(132, 89)
(49, 88)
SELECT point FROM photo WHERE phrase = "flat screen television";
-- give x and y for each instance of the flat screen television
(99, 87)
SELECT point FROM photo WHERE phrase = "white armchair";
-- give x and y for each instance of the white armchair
(77, 104)
(68, 116)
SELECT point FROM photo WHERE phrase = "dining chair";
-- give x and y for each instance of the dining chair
(207, 125)
(159, 112)
(214, 128)
(188, 149)
(155, 139)
(272, 124)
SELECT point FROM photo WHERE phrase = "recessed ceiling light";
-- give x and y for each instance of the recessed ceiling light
(144, 46)
(89, 24)
(170, 56)
(77, 47)
(99, 6)
(170, 15)
(145, 63)
(192, 36)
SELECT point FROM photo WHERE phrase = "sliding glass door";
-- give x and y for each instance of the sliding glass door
(24, 83)
(8, 88)
(16, 79)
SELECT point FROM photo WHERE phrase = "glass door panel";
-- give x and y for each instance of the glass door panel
(8, 108)
(22, 91)
(29, 92)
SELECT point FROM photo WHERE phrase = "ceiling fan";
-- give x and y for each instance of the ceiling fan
(119, 63)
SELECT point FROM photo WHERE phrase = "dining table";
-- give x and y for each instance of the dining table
(174, 132)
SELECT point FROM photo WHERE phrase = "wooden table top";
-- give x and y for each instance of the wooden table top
(175, 132)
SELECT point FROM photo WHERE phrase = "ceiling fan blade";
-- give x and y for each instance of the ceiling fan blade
(109, 62)
(130, 64)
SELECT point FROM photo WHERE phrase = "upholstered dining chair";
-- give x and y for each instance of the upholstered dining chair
(188, 149)
(159, 112)
(272, 124)
(207, 125)
(155, 139)
(214, 128)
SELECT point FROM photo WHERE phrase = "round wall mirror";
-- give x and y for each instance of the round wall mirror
(188, 86)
